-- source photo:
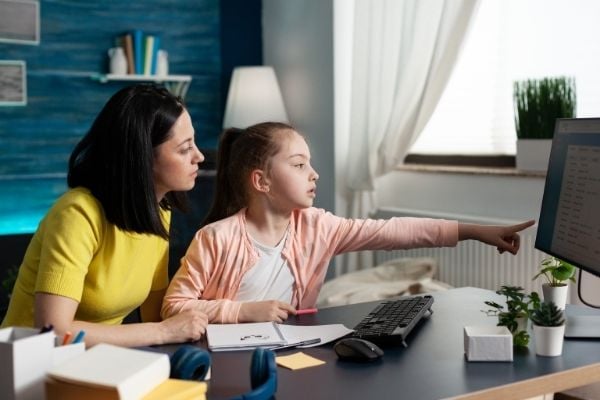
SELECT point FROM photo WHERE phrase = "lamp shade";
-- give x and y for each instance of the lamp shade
(253, 97)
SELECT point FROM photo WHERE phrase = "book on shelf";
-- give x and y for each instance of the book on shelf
(155, 49)
(127, 43)
(138, 51)
(108, 372)
(148, 49)
(141, 51)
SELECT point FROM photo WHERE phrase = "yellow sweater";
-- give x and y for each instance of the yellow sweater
(78, 254)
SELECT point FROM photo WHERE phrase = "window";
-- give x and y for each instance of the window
(513, 40)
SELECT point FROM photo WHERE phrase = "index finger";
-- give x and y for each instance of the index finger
(521, 226)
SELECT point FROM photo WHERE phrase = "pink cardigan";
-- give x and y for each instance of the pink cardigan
(222, 252)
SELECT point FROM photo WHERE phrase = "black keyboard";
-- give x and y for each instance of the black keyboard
(391, 321)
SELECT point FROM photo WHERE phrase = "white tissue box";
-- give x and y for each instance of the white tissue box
(488, 343)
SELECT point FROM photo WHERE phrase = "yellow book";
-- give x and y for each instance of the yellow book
(178, 389)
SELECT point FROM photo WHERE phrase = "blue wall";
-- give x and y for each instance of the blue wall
(36, 139)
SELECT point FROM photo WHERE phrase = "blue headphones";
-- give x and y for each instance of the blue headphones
(263, 376)
(192, 363)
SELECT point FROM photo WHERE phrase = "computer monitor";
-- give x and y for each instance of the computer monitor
(569, 223)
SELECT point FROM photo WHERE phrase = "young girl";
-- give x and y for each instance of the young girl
(265, 250)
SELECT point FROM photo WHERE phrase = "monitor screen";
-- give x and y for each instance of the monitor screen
(569, 223)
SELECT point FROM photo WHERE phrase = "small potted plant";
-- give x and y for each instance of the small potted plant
(515, 315)
(538, 103)
(548, 329)
(557, 273)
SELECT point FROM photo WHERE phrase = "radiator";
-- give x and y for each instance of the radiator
(473, 263)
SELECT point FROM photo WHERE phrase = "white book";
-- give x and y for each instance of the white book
(129, 372)
(240, 336)
(245, 336)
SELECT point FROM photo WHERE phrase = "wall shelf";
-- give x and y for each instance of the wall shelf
(176, 84)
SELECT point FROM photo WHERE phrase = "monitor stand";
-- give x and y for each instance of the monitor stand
(582, 327)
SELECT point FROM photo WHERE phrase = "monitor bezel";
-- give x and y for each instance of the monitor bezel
(545, 194)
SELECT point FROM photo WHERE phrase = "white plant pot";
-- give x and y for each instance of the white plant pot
(533, 154)
(548, 340)
(522, 324)
(557, 294)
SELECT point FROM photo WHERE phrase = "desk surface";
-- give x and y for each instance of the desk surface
(432, 367)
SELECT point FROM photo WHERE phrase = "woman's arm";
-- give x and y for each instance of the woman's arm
(60, 312)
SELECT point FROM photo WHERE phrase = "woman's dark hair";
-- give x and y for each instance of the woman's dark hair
(240, 152)
(114, 159)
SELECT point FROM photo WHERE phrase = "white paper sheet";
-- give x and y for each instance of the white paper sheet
(300, 333)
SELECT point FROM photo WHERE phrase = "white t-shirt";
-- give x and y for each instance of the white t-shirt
(270, 279)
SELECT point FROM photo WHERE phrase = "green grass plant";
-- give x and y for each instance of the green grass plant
(539, 102)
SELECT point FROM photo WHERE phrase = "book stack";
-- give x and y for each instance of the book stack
(141, 51)
(112, 372)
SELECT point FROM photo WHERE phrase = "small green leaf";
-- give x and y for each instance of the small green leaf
(521, 339)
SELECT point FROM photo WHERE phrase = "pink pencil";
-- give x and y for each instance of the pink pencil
(306, 311)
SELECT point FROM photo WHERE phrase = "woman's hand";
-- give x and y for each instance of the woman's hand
(187, 326)
(262, 311)
(505, 238)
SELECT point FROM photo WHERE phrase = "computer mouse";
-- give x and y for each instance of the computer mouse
(355, 349)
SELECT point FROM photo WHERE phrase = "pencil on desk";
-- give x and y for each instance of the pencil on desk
(306, 311)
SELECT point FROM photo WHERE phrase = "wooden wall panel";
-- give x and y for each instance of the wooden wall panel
(36, 139)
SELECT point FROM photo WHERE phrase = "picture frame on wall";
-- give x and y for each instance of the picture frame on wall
(13, 83)
(20, 21)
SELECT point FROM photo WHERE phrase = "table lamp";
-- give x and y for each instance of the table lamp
(253, 97)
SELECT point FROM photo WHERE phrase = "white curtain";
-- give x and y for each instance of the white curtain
(403, 54)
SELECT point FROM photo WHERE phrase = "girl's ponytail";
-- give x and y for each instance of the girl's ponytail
(225, 199)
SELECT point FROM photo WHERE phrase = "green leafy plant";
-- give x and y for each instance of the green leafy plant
(547, 314)
(539, 102)
(556, 271)
(6, 286)
(9, 280)
(518, 305)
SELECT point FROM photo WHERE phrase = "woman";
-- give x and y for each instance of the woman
(102, 249)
